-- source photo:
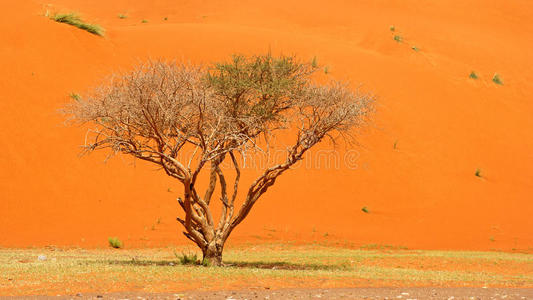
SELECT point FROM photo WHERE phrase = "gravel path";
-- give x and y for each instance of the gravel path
(345, 293)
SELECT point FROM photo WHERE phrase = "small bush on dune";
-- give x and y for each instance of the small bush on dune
(473, 75)
(75, 20)
(122, 16)
(496, 79)
(398, 38)
(188, 259)
(115, 242)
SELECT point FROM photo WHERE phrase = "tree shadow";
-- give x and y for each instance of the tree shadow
(279, 265)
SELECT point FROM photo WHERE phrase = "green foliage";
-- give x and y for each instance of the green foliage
(187, 259)
(365, 209)
(496, 79)
(115, 242)
(75, 20)
(415, 48)
(259, 87)
(478, 173)
(122, 16)
(398, 38)
(473, 75)
(144, 21)
(392, 28)
(314, 62)
(326, 70)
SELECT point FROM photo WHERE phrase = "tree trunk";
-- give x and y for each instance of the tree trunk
(212, 254)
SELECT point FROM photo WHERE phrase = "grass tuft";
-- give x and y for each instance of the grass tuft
(188, 259)
(478, 173)
(144, 21)
(115, 242)
(326, 70)
(75, 96)
(314, 62)
(75, 20)
(398, 38)
(496, 79)
(415, 48)
(122, 16)
(392, 28)
(365, 209)
(473, 75)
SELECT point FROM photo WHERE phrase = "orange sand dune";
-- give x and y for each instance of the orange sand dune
(421, 194)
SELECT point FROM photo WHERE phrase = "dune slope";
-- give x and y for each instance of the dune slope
(415, 168)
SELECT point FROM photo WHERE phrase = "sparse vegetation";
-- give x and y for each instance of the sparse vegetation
(75, 20)
(365, 209)
(395, 146)
(398, 38)
(478, 173)
(279, 265)
(314, 62)
(326, 70)
(496, 79)
(392, 28)
(415, 48)
(165, 19)
(188, 259)
(144, 21)
(115, 242)
(75, 96)
(122, 16)
(473, 75)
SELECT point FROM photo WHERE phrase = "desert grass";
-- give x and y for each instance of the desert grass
(75, 20)
(271, 266)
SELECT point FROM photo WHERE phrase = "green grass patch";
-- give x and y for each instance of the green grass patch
(398, 38)
(115, 242)
(496, 79)
(473, 75)
(75, 20)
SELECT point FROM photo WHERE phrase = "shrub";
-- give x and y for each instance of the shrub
(75, 96)
(115, 242)
(75, 20)
(473, 75)
(415, 48)
(144, 21)
(314, 62)
(122, 16)
(188, 259)
(365, 209)
(496, 79)
(392, 28)
(398, 38)
(478, 173)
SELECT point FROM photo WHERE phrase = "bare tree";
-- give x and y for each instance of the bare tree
(188, 119)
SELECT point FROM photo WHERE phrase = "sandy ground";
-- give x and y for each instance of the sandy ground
(353, 293)
(415, 168)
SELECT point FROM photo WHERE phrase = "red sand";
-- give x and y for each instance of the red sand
(423, 194)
